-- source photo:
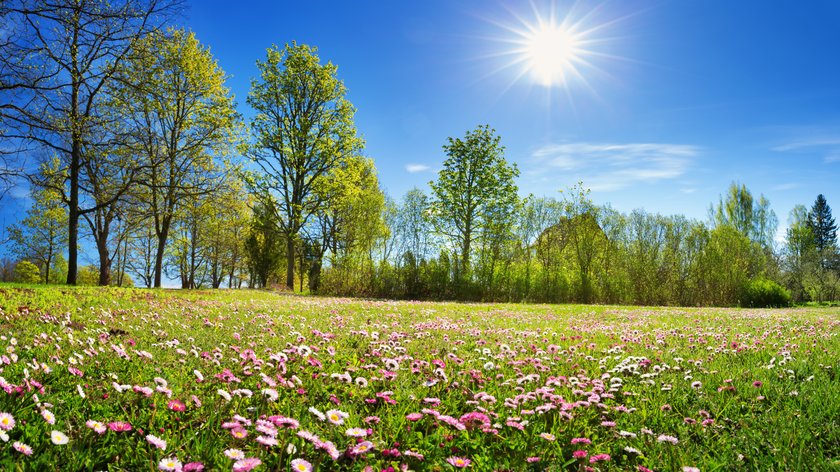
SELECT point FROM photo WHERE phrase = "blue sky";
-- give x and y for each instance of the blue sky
(673, 100)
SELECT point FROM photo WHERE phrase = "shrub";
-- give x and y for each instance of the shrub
(763, 293)
(27, 273)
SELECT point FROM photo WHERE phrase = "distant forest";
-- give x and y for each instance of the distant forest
(125, 131)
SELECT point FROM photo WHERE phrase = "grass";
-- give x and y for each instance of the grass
(735, 389)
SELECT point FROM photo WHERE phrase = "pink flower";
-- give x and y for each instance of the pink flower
(176, 405)
(244, 465)
(581, 441)
(757, 384)
(22, 448)
(119, 426)
(361, 448)
(459, 462)
(579, 454)
(7, 421)
(414, 416)
(301, 465)
(532, 460)
(599, 458)
(239, 432)
(96, 426)
(193, 467)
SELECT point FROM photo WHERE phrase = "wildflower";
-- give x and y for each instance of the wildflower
(757, 384)
(608, 424)
(7, 421)
(599, 458)
(361, 382)
(548, 436)
(270, 394)
(22, 448)
(267, 441)
(632, 450)
(301, 465)
(81, 392)
(224, 394)
(627, 434)
(48, 416)
(532, 460)
(459, 462)
(119, 426)
(414, 416)
(58, 438)
(336, 416)
(356, 432)
(156, 442)
(193, 467)
(96, 426)
(317, 413)
(362, 448)
(234, 454)
(244, 465)
(696, 384)
(169, 464)
(176, 405)
(666, 438)
(579, 454)
(687, 468)
(581, 441)
(239, 433)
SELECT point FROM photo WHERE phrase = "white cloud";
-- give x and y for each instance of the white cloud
(609, 166)
(786, 186)
(414, 168)
(826, 144)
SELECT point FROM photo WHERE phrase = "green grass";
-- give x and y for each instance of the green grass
(546, 360)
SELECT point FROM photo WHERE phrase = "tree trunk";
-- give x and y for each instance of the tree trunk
(162, 235)
(104, 262)
(73, 216)
(290, 262)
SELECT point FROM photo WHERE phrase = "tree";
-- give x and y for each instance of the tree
(42, 235)
(57, 58)
(474, 192)
(181, 118)
(27, 273)
(755, 220)
(303, 129)
(822, 225)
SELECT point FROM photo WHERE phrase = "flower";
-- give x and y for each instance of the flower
(239, 433)
(193, 467)
(362, 448)
(414, 416)
(599, 458)
(119, 426)
(96, 426)
(156, 442)
(244, 465)
(235, 454)
(22, 448)
(579, 454)
(58, 438)
(459, 462)
(548, 436)
(267, 440)
(170, 464)
(336, 416)
(7, 421)
(270, 394)
(301, 465)
(581, 441)
(666, 438)
(176, 405)
(48, 416)
(356, 432)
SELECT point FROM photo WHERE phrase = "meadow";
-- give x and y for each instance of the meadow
(124, 379)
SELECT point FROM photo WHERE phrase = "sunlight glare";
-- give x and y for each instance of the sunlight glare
(551, 51)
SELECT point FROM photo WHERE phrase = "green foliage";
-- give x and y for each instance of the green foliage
(753, 219)
(763, 293)
(822, 225)
(475, 196)
(303, 131)
(88, 276)
(27, 273)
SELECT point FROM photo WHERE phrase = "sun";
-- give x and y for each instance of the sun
(555, 49)
(551, 51)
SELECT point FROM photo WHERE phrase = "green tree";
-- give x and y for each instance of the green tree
(475, 192)
(42, 235)
(57, 59)
(824, 231)
(303, 129)
(754, 219)
(27, 273)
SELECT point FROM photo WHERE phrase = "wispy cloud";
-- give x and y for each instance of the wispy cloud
(415, 168)
(610, 166)
(826, 144)
(786, 186)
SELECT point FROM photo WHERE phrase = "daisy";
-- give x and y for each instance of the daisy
(170, 464)
(156, 442)
(336, 416)
(176, 405)
(58, 438)
(548, 436)
(96, 426)
(22, 448)
(193, 467)
(356, 432)
(239, 433)
(119, 426)
(235, 454)
(362, 448)
(48, 416)
(7, 421)
(244, 465)
(301, 465)
(459, 462)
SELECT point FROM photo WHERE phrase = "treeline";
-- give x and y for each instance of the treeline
(132, 145)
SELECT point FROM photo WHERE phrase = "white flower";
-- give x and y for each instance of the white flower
(59, 438)
(224, 394)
